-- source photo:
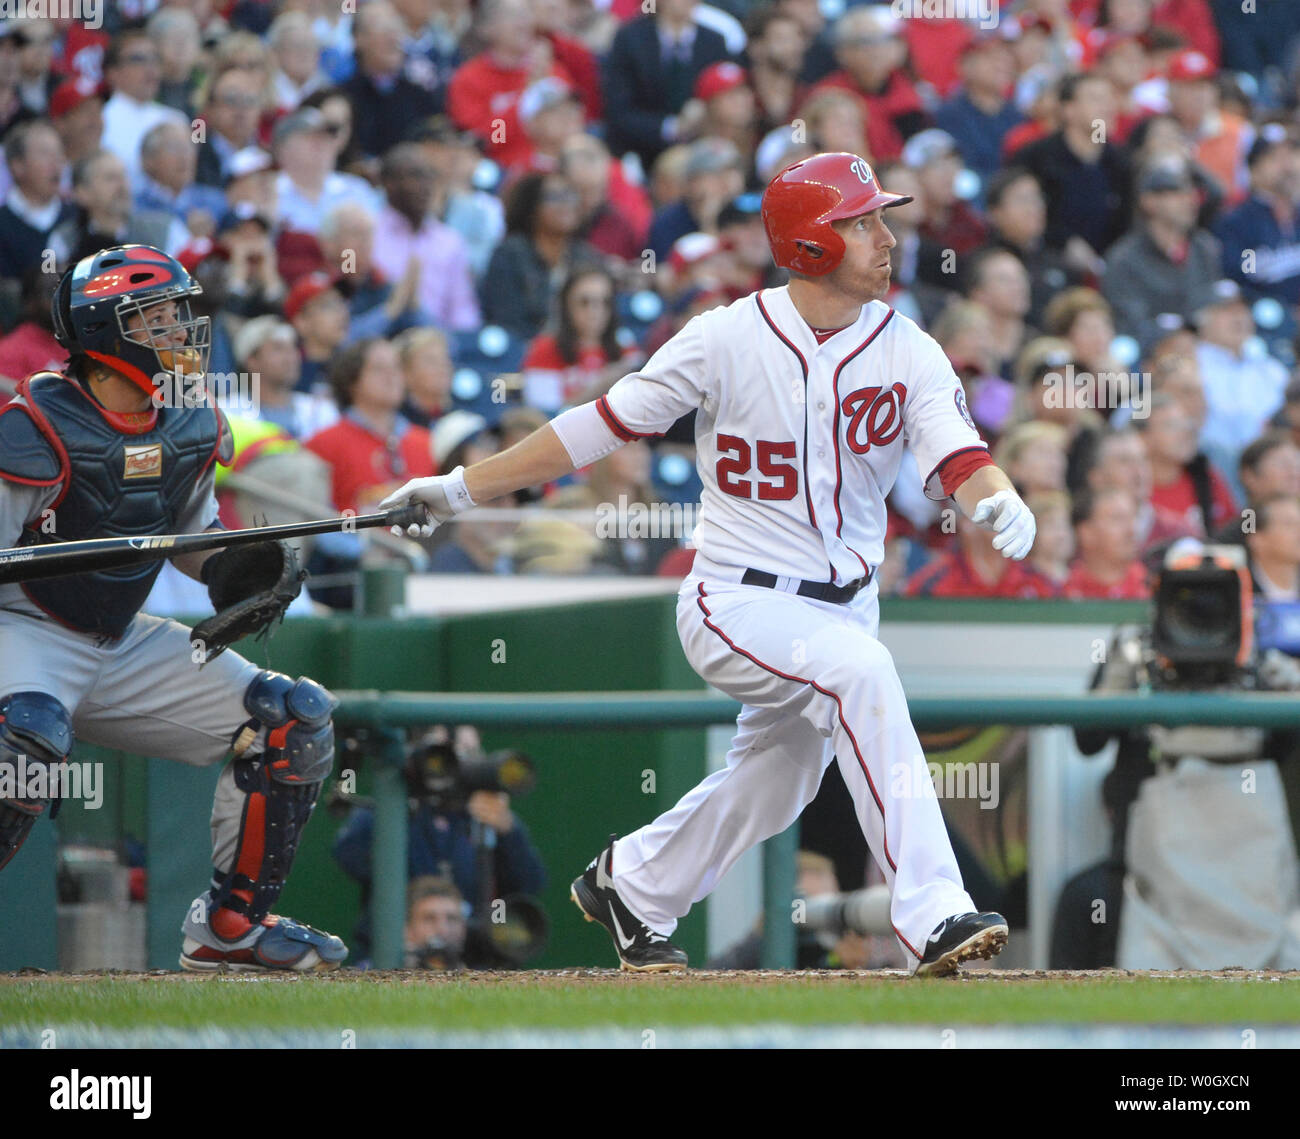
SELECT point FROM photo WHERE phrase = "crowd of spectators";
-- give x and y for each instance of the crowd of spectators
(430, 225)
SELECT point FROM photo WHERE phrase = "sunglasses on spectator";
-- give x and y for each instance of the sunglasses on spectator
(560, 195)
(233, 100)
(141, 57)
(23, 39)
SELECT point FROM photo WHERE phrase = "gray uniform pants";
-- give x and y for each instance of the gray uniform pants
(143, 694)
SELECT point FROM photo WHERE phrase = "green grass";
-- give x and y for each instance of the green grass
(522, 1001)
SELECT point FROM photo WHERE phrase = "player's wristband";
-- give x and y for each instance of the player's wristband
(458, 497)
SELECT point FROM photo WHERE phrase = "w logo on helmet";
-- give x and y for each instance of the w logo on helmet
(802, 203)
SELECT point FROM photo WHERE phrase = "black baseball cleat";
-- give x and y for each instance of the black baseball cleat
(640, 949)
(964, 937)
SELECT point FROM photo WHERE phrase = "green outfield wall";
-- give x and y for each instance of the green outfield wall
(591, 782)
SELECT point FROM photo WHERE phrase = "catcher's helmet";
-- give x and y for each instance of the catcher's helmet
(800, 203)
(97, 297)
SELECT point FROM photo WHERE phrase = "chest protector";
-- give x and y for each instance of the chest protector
(116, 482)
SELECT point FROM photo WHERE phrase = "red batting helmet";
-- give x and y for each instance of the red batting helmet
(800, 203)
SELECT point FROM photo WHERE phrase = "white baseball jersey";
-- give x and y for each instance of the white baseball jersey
(798, 443)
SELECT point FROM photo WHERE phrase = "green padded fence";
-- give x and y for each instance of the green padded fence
(638, 708)
(387, 713)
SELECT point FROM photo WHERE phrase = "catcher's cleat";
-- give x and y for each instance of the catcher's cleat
(640, 949)
(964, 937)
(278, 945)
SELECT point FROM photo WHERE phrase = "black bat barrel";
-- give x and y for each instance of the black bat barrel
(65, 559)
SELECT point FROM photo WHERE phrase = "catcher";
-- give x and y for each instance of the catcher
(101, 451)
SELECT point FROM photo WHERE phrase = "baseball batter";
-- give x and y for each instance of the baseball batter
(806, 397)
(88, 454)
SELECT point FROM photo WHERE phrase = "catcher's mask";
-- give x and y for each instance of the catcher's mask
(99, 299)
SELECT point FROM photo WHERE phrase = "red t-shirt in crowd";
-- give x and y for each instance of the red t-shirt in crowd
(963, 230)
(550, 382)
(610, 232)
(1178, 512)
(1021, 136)
(935, 47)
(1082, 585)
(577, 59)
(80, 52)
(27, 349)
(482, 92)
(898, 98)
(676, 563)
(631, 200)
(1193, 19)
(360, 460)
(952, 575)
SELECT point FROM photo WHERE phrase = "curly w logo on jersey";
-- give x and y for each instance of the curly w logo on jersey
(875, 417)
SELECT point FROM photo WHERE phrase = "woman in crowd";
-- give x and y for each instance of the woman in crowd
(582, 357)
(1083, 318)
(538, 250)
(373, 449)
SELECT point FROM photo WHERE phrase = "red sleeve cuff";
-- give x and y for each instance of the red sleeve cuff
(616, 425)
(960, 465)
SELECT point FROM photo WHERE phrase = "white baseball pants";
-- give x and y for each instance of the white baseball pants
(815, 683)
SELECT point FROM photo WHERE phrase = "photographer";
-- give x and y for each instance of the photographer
(436, 929)
(1203, 860)
(461, 836)
(436, 926)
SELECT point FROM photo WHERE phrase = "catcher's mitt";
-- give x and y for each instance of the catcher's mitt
(250, 588)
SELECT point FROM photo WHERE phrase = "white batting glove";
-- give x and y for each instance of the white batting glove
(441, 495)
(1006, 514)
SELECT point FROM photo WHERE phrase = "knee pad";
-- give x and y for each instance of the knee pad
(280, 784)
(35, 731)
(299, 731)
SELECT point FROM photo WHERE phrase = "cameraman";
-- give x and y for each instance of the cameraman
(446, 838)
(436, 926)
(1174, 796)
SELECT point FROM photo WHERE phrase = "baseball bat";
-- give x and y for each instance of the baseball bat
(63, 559)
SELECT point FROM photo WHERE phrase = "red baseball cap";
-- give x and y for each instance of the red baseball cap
(692, 248)
(305, 290)
(71, 93)
(1188, 66)
(718, 79)
(195, 252)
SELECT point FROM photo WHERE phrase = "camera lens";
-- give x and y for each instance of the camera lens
(1199, 615)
